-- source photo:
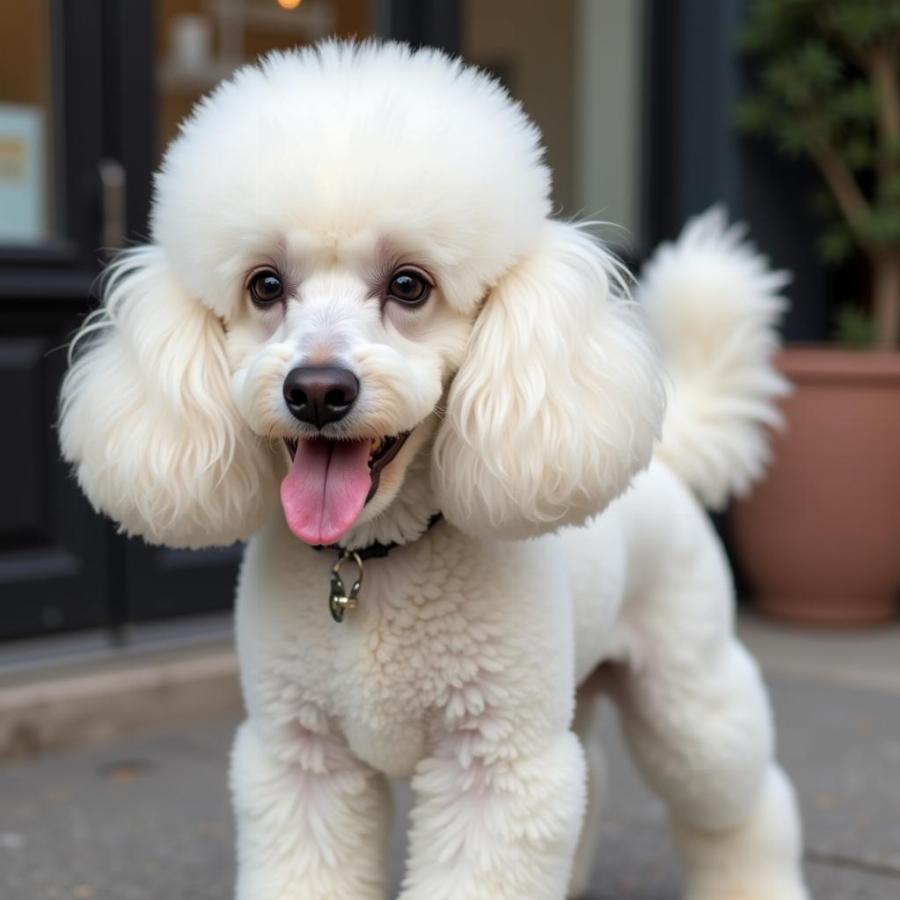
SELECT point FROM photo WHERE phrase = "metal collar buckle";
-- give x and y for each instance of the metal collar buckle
(340, 599)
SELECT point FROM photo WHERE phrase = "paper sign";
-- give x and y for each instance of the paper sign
(23, 213)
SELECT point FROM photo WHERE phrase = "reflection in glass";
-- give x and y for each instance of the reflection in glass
(200, 42)
(26, 210)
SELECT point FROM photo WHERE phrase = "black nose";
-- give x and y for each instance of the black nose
(318, 395)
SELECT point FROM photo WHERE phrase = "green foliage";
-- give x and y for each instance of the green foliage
(882, 227)
(890, 188)
(816, 94)
(775, 24)
(822, 205)
(809, 93)
(836, 244)
(861, 23)
(855, 329)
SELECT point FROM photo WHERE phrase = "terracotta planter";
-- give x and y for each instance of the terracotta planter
(819, 538)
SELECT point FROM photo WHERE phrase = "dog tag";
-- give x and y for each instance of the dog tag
(340, 599)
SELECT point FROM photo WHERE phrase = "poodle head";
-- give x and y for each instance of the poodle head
(352, 268)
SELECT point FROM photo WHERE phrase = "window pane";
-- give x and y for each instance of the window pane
(199, 42)
(26, 106)
(576, 66)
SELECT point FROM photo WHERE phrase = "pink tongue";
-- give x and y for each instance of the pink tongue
(326, 488)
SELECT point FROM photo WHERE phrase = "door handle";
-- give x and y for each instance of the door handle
(113, 186)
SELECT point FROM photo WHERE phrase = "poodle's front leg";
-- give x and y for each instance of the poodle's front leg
(496, 829)
(312, 819)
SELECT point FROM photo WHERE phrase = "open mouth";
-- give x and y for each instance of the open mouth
(330, 482)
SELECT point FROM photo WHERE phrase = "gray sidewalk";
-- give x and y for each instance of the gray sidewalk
(149, 818)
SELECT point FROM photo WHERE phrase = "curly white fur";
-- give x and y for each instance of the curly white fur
(550, 428)
(713, 302)
(532, 396)
(148, 418)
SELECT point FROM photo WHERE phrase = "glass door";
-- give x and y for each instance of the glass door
(53, 549)
(28, 207)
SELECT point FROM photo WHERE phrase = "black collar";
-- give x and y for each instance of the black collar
(377, 550)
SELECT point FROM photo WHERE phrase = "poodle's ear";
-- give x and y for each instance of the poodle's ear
(558, 401)
(147, 416)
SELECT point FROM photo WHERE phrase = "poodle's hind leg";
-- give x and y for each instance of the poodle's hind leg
(585, 727)
(697, 718)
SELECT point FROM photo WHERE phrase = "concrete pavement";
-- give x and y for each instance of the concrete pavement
(149, 817)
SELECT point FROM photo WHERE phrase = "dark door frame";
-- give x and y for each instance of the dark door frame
(53, 549)
(64, 266)
(694, 155)
(432, 23)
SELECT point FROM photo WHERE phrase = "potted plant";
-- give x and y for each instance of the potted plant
(820, 538)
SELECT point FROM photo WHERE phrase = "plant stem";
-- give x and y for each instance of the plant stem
(882, 69)
(886, 297)
(881, 65)
(846, 190)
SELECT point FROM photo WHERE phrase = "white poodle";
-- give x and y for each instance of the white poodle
(355, 291)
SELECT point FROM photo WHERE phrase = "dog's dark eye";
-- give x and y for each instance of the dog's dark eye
(409, 286)
(266, 287)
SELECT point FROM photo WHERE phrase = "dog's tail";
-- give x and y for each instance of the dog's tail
(714, 304)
